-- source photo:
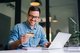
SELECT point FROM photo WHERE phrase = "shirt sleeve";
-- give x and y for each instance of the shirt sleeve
(43, 38)
(14, 34)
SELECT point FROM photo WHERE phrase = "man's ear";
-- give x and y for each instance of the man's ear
(27, 15)
(39, 19)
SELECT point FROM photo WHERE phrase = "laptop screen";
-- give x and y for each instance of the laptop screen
(60, 40)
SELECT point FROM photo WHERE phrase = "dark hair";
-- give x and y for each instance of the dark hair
(34, 8)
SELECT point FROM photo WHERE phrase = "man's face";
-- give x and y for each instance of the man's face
(33, 17)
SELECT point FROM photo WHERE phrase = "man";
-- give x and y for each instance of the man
(29, 33)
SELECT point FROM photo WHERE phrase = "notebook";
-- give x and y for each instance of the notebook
(59, 41)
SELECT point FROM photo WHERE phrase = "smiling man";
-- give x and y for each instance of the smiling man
(28, 33)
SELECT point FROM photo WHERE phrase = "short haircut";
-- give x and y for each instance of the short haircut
(34, 8)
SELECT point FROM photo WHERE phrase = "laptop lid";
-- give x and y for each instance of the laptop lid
(60, 40)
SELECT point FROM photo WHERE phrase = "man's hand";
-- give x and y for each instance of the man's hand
(25, 38)
(47, 44)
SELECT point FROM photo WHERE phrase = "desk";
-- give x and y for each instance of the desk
(64, 50)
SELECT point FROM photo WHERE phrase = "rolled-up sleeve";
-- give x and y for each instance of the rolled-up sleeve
(14, 34)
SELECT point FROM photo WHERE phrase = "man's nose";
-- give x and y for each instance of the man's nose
(33, 18)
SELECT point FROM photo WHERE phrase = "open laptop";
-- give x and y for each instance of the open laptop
(59, 41)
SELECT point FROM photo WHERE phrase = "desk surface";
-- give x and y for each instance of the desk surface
(64, 50)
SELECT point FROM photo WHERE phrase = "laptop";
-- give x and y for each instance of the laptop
(59, 41)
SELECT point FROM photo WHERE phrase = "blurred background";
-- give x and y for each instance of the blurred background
(56, 16)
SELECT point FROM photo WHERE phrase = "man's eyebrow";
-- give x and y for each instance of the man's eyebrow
(33, 15)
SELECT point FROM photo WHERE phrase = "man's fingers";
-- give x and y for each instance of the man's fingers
(47, 44)
(24, 39)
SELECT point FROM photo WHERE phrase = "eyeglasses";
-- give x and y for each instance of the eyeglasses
(34, 16)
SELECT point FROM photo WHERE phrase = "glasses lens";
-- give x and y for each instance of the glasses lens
(34, 16)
